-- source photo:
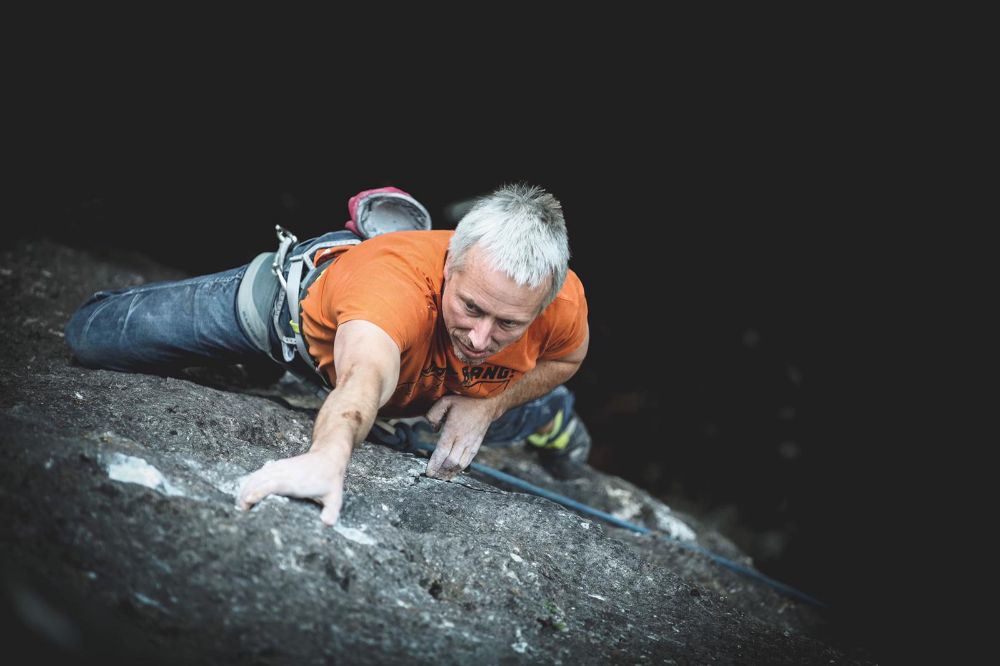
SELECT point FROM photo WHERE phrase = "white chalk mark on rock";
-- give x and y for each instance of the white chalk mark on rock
(143, 599)
(521, 645)
(355, 535)
(631, 507)
(672, 525)
(129, 469)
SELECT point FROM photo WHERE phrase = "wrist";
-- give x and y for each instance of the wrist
(497, 406)
(333, 454)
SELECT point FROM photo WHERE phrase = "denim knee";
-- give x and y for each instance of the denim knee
(85, 349)
(526, 419)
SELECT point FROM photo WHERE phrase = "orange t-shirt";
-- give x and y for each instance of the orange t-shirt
(395, 282)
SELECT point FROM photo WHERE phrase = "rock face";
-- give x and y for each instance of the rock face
(122, 544)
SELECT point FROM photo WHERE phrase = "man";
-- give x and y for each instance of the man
(476, 328)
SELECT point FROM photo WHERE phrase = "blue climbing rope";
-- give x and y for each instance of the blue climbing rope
(402, 442)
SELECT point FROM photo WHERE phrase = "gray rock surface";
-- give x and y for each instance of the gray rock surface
(122, 543)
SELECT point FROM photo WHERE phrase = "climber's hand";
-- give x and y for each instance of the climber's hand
(465, 422)
(316, 475)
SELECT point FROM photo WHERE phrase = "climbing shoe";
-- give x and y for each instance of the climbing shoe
(563, 451)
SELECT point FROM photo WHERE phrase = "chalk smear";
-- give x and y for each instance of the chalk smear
(129, 469)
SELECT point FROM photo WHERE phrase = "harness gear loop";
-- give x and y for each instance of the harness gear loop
(296, 279)
(285, 240)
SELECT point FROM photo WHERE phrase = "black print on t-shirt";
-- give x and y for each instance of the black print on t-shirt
(473, 375)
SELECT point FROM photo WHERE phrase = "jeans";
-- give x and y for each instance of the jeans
(162, 326)
(167, 326)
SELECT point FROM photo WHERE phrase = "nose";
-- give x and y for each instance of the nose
(479, 335)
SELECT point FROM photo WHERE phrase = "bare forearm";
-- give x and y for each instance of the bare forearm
(344, 419)
(367, 369)
(545, 376)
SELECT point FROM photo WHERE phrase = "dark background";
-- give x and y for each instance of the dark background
(733, 237)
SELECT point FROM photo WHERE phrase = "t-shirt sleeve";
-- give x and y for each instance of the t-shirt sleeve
(381, 290)
(566, 320)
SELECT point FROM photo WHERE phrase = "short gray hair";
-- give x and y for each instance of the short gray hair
(521, 230)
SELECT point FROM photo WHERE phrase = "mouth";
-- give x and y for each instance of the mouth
(470, 353)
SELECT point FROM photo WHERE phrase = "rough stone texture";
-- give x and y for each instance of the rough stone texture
(122, 544)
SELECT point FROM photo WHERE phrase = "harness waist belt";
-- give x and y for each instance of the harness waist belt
(296, 274)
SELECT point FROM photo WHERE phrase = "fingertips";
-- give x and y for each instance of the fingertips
(243, 496)
(331, 506)
(248, 501)
(248, 492)
(329, 516)
(439, 459)
(443, 471)
(438, 473)
(254, 491)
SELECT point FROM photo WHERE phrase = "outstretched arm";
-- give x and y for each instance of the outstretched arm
(367, 364)
(466, 420)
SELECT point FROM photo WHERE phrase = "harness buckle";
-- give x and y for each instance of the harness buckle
(286, 239)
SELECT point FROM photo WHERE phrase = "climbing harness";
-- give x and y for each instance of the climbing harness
(295, 274)
(373, 213)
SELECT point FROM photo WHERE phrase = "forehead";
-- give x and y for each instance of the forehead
(493, 291)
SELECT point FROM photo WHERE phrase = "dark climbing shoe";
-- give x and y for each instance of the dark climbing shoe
(563, 452)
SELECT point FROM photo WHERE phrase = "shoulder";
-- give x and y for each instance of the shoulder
(413, 257)
(568, 309)
(571, 296)
(405, 244)
(572, 289)
(562, 326)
